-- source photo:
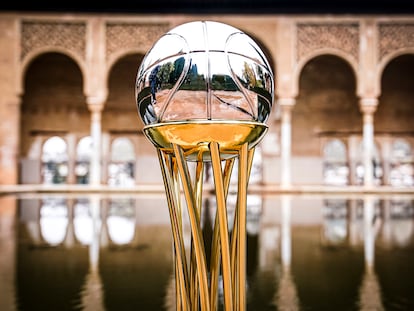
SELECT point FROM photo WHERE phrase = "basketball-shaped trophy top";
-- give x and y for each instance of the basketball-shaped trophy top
(204, 71)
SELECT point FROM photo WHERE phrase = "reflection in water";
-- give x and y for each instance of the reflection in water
(121, 221)
(286, 296)
(300, 256)
(335, 222)
(398, 227)
(92, 291)
(53, 220)
(170, 295)
(7, 253)
(83, 222)
(370, 291)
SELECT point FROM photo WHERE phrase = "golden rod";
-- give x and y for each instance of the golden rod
(195, 228)
(181, 271)
(223, 225)
(215, 249)
(199, 201)
(236, 235)
(241, 228)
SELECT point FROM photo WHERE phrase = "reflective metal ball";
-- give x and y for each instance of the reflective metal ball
(202, 71)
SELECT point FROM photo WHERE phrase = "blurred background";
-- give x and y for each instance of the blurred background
(343, 102)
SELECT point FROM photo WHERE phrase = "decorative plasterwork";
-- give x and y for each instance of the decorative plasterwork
(393, 37)
(43, 34)
(121, 36)
(315, 36)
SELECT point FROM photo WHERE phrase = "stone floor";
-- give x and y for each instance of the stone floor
(157, 188)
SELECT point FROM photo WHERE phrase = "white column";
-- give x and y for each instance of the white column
(386, 151)
(96, 133)
(106, 154)
(368, 107)
(71, 141)
(286, 105)
(352, 158)
(95, 88)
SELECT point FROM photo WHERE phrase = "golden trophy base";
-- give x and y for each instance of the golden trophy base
(220, 143)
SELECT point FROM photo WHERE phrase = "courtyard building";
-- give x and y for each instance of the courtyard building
(343, 110)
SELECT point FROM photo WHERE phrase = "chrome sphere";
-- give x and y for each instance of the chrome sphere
(204, 70)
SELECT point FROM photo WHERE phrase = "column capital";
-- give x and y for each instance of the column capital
(368, 105)
(95, 107)
(284, 107)
(97, 99)
(286, 101)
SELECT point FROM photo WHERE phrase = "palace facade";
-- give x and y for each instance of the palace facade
(343, 112)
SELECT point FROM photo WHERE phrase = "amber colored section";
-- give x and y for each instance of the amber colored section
(194, 136)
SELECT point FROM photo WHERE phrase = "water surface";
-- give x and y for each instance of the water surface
(103, 252)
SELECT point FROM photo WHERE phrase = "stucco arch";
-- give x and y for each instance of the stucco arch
(385, 61)
(122, 57)
(27, 60)
(305, 60)
(115, 57)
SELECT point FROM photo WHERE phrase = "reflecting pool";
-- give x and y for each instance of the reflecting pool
(114, 252)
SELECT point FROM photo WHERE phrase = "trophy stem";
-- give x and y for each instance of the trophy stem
(223, 225)
(198, 287)
(181, 275)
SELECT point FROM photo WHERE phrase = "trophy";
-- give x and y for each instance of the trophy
(204, 92)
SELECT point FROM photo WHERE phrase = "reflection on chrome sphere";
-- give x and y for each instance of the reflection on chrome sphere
(204, 70)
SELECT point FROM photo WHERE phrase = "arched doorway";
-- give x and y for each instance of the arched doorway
(83, 160)
(120, 115)
(395, 111)
(53, 104)
(335, 163)
(54, 161)
(326, 108)
(401, 162)
(121, 123)
(377, 165)
(121, 169)
(394, 117)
